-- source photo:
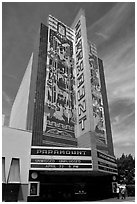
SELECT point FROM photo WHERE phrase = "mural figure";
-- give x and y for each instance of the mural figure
(59, 85)
(98, 110)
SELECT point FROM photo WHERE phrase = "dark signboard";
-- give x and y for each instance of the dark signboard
(60, 161)
(56, 166)
(108, 169)
(107, 165)
(106, 157)
(59, 113)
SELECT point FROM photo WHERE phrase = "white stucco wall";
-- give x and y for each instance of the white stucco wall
(16, 144)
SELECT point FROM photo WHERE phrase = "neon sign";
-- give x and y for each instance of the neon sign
(80, 76)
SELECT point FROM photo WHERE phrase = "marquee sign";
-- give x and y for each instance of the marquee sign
(56, 158)
(65, 152)
(82, 76)
(106, 163)
(59, 113)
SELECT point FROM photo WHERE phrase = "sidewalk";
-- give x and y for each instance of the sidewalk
(128, 199)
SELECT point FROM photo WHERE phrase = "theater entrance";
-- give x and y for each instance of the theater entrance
(55, 187)
(63, 192)
(58, 187)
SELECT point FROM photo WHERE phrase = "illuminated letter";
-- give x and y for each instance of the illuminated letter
(82, 107)
(67, 152)
(62, 152)
(79, 67)
(81, 93)
(81, 121)
(50, 151)
(78, 25)
(78, 46)
(56, 152)
(79, 56)
(80, 80)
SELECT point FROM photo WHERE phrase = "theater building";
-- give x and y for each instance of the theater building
(58, 146)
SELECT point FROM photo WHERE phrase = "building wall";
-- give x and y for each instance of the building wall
(106, 109)
(16, 144)
(40, 72)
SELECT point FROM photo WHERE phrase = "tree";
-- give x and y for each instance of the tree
(126, 169)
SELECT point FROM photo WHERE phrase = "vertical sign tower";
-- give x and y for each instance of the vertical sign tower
(85, 121)
(91, 130)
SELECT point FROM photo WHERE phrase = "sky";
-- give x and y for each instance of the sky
(110, 25)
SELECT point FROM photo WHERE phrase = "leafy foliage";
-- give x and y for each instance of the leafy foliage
(126, 169)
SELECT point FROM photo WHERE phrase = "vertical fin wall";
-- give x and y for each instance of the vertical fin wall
(37, 132)
(106, 109)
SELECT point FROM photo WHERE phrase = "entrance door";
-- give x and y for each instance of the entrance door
(80, 192)
(63, 192)
(56, 192)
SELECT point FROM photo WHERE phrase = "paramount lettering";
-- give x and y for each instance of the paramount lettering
(82, 122)
(80, 76)
(82, 107)
(61, 152)
(79, 67)
(81, 93)
(79, 56)
(80, 80)
(79, 45)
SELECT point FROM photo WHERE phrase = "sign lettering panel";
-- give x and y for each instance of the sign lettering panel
(65, 152)
(106, 163)
(61, 158)
(81, 101)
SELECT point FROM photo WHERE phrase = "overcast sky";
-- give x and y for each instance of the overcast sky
(109, 25)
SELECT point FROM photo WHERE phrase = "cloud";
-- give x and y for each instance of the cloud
(126, 148)
(114, 37)
(122, 112)
(6, 106)
(120, 71)
(121, 107)
(6, 98)
(124, 141)
(104, 36)
(111, 23)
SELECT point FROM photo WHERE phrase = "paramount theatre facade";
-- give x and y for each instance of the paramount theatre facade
(62, 148)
